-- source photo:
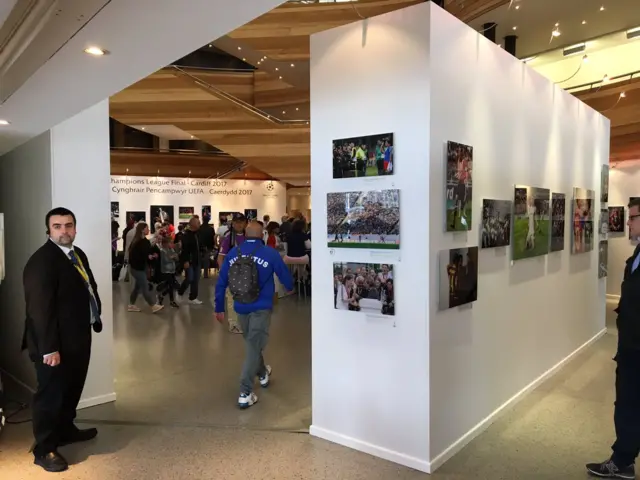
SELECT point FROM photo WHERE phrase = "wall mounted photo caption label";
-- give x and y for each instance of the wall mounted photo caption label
(179, 186)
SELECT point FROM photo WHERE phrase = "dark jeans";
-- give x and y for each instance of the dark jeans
(191, 281)
(168, 285)
(56, 399)
(627, 409)
(206, 262)
(255, 330)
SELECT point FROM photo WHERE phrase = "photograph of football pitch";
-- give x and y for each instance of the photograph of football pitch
(531, 225)
(459, 187)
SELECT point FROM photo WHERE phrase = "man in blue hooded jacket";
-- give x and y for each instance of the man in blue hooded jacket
(255, 317)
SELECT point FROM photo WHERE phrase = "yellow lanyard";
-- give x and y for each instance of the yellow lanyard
(80, 267)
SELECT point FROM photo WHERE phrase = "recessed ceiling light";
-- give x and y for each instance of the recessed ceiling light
(239, 48)
(210, 45)
(584, 22)
(284, 112)
(4, 122)
(276, 69)
(297, 109)
(292, 65)
(556, 33)
(280, 77)
(244, 59)
(558, 24)
(515, 28)
(142, 128)
(517, 7)
(192, 136)
(622, 95)
(95, 51)
(602, 8)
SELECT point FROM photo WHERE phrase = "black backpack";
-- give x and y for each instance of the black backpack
(244, 283)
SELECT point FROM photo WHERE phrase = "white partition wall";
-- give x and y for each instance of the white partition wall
(417, 388)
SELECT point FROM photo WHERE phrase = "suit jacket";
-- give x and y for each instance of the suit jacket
(629, 307)
(57, 303)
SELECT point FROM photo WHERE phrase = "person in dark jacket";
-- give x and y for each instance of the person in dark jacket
(139, 257)
(207, 238)
(190, 259)
(626, 416)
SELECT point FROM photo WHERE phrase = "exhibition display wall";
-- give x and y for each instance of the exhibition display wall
(417, 386)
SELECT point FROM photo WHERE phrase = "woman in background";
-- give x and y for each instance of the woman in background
(343, 296)
(168, 259)
(139, 257)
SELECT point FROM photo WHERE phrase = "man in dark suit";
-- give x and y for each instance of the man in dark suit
(626, 416)
(62, 306)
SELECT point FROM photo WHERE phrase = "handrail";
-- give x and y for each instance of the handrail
(216, 69)
(238, 102)
(178, 151)
(601, 82)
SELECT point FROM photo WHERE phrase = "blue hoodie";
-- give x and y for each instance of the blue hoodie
(269, 262)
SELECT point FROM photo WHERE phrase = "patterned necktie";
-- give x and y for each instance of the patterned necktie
(95, 315)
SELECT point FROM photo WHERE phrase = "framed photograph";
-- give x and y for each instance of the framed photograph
(364, 287)
(616, 220)
(160, 214)
(583, 224)
(531, 225)
(603, 258)
(206, 213)
(185, 213)
(367, 156)
(369, 219)
(603, 225)
(496, 223)
(225, 218)
(558, 211)
(458, 269)
(115, 210)
(604, 184)
(136, 217)
(251, 214)
(458, 189)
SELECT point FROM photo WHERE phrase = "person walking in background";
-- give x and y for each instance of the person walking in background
(626, 413)
(190, 258)
(207, 241)
(168, 259)
(139, 257)
(247, 272)
(62, 306)
(233, 238)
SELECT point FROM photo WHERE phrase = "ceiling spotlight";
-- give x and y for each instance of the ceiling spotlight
(210, 45)
(602, 8)
(280, 77)
(284, 112)
(276, 69)
(623, 95)
(239, 48)
(558, 24)
(297, 109)
(292, 65)
(244, 59)
(585, 59)
(515, 28)
(192, 136)
(556, 33)
(95, 51)
(606, 78)
(143, 128)
(517, 7)
(4, 122)
(584, 22)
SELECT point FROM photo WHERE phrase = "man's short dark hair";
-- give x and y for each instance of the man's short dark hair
(634, 202)
(61, 211)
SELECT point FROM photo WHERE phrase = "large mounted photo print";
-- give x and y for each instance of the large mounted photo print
(185, 213)
(369, 219)
(135, 217)
(603, 258)
(251, 214)
(616, 220)
(531, 226)
(583, 224)
(604, 184)
(115, 210)
(459, 178)
(366, 156)
(458, 272)
(496, 223)
(558, 213)
(364, 287)
(161, 214)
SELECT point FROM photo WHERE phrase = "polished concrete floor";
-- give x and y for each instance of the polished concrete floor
(564, 423)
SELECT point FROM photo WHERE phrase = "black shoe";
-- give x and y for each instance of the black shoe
(160, 299)
(51, 462)
(175, 305)
(609, 469)
(78, 435)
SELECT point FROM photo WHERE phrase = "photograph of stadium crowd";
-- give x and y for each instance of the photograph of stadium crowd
(364, 219)
(459, 186)
(368, 156)
(364, 287)
(496, 223)
(604, 184)
(458, 277)
(616, 219)
(583, 203)
(530, 222)
(558, 210)
(603, 258)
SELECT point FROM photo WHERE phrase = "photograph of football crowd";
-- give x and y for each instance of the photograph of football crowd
(604, 184)
(160, 214)
(364, 219)
(616, 219)
(603, 258)
(531, 227)
(459, 186)
(583, 203)
(630, 200)
(364, 287)
(458, 277)
(496, 223)
(368, 156)
(558, 211)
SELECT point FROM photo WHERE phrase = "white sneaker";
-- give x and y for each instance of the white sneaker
(195, 301)
(156, 308)
(264, 381)
(246, 400)
(133, 308)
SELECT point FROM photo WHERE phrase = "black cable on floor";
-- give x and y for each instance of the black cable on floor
(21, 408)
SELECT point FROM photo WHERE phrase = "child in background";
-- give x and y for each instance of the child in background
(168, 258)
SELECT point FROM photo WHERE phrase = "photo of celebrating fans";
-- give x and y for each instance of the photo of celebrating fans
(604, 184)
(616, 219)
(368, 156)
(160, 214)
(364, 219)
(558, 209)
(458, 277)
(496, 223)
(530, 222)
(603, 258)
(251, 214)
(364, 287)
(583, 203)
(459, 186)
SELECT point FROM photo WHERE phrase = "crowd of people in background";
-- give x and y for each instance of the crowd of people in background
(358, 213)
(352, 283)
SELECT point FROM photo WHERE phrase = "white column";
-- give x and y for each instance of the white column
(81, 182)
